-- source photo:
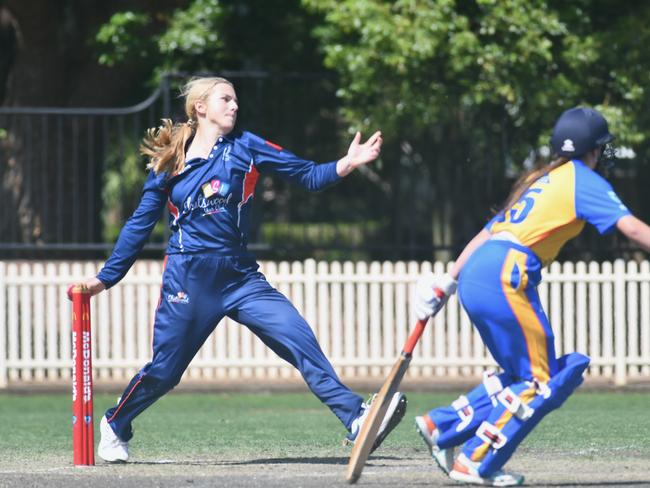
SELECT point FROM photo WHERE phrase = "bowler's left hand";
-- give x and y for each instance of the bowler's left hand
(360, 154)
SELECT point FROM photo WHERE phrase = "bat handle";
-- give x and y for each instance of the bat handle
(414, 337)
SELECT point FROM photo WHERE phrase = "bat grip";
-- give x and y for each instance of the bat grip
(414, 337)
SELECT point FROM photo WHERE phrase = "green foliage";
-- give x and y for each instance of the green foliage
(193, 37)
(411, 63)
(624, 58)
(124, 177)
(187, 38)
(474, 88)
(434, 59)
(122, 38)
(210, 35)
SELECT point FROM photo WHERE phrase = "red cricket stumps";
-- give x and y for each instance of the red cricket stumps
(83, 443)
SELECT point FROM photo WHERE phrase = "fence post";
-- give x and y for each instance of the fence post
(620, 326)
(308, 270)
(3, 327)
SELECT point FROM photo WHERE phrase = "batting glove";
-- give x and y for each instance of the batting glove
(431, 294)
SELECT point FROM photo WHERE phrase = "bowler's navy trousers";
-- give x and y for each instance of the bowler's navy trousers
(198, 290)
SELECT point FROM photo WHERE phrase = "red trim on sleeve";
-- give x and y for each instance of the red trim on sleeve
(273, 145)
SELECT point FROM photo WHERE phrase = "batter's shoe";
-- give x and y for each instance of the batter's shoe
(466, 471)
(444, 458)
(111, 449)
(394, 414)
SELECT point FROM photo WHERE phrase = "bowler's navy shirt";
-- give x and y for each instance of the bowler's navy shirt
(209, 201)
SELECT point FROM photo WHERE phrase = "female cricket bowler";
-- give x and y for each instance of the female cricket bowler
(498, 273)
(205, 173)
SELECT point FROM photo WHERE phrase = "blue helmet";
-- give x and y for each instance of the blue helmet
(578, 131)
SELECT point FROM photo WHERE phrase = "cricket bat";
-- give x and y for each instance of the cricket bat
(369, 429)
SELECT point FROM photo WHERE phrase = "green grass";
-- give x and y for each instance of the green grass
(195, 426)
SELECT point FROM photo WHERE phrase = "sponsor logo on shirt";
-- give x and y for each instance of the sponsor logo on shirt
(208, 206)
(180, 297)
(215, 187)
(215, 195)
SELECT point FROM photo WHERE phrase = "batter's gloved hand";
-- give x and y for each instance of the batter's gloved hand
(431, 294)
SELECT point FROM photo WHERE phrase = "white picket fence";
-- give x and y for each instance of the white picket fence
(359, 311)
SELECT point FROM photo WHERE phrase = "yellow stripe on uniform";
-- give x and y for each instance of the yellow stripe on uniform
(530, 324)
(480, 452)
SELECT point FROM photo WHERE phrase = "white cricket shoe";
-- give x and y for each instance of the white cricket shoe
(394, 414)
(444, 458)
(111, 448)
(466, 471)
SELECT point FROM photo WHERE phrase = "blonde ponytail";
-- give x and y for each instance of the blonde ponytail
(165, 146)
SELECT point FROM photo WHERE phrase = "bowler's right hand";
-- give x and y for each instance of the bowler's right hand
(93, 285)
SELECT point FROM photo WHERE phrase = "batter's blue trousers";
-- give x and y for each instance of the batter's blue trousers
(197, 292)
(498, 289)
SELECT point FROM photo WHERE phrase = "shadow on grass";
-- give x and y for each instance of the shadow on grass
(265, 461)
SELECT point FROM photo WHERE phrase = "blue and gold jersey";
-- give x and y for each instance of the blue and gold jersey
(555, 208)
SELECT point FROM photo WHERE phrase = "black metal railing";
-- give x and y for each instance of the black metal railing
(70, 176)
